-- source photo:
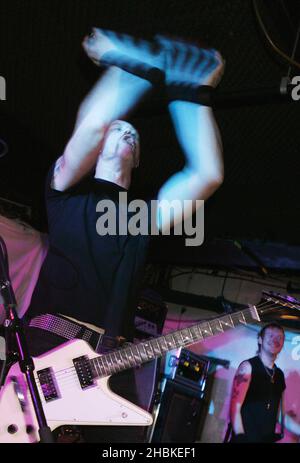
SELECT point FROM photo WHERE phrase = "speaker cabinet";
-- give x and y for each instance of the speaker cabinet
(179, 414)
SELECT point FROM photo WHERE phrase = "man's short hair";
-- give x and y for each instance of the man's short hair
(261, 333)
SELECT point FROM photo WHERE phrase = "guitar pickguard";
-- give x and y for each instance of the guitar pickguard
(71, 404)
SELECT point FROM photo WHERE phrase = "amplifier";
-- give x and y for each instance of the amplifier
(181, 407)
(150, 315)
(185, 367)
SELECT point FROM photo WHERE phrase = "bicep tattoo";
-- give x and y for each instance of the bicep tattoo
(242, 377)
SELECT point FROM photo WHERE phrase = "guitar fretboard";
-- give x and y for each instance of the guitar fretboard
(137, 354)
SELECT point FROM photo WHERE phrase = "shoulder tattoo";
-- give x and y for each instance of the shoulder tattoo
(242, 376)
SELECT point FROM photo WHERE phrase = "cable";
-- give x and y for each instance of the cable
(269, 39)
(294, 49)
(263, 282)
(287, 14)
(238, 271)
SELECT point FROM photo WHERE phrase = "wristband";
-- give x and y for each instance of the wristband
(201, 95)
(134, 66)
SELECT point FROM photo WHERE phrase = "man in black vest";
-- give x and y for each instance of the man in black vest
(257, 401)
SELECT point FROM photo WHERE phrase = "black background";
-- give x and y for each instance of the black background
(47, 75)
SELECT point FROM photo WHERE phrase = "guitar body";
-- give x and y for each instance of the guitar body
(73, 380)
(94, 405)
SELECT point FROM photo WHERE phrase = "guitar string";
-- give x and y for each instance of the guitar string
(259, 306)
(70, 373)
(67, 373)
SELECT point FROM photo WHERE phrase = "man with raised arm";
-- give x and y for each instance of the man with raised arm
(95, 279)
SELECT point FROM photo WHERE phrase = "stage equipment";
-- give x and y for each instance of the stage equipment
(182, 398)
(16, 350)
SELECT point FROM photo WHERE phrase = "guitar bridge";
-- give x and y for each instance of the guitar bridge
(84, 371)
(48, 385)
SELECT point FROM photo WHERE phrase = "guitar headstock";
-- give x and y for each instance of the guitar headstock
(282, 299)
(281, 304)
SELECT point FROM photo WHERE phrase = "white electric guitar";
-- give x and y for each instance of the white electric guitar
(73, 385)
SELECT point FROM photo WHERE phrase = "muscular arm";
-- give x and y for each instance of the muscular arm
(240, 387)
(194, 124)
(199, 137)
(112, 98)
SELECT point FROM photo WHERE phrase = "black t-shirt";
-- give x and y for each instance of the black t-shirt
(89, 277)
(260, 408)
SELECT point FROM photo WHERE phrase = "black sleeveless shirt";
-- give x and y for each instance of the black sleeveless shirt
(260, 408)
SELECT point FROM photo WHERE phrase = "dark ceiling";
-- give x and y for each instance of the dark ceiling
(47, 75)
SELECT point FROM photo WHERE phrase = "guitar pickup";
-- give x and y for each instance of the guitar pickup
(48, 385)
(84, 371)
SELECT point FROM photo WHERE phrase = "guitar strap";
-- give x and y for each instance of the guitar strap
(71, 329)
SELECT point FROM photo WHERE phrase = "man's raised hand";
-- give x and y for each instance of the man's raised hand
(96, 45)
(103, 40)
(188, 64)
(182, 62)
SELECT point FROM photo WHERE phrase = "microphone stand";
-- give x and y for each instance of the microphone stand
(16, 346)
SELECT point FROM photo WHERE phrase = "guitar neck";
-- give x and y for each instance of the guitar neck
(137, 354)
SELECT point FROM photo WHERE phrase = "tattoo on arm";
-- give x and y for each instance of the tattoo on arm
(240, 378)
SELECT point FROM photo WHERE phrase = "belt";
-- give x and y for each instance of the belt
(68, 329)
